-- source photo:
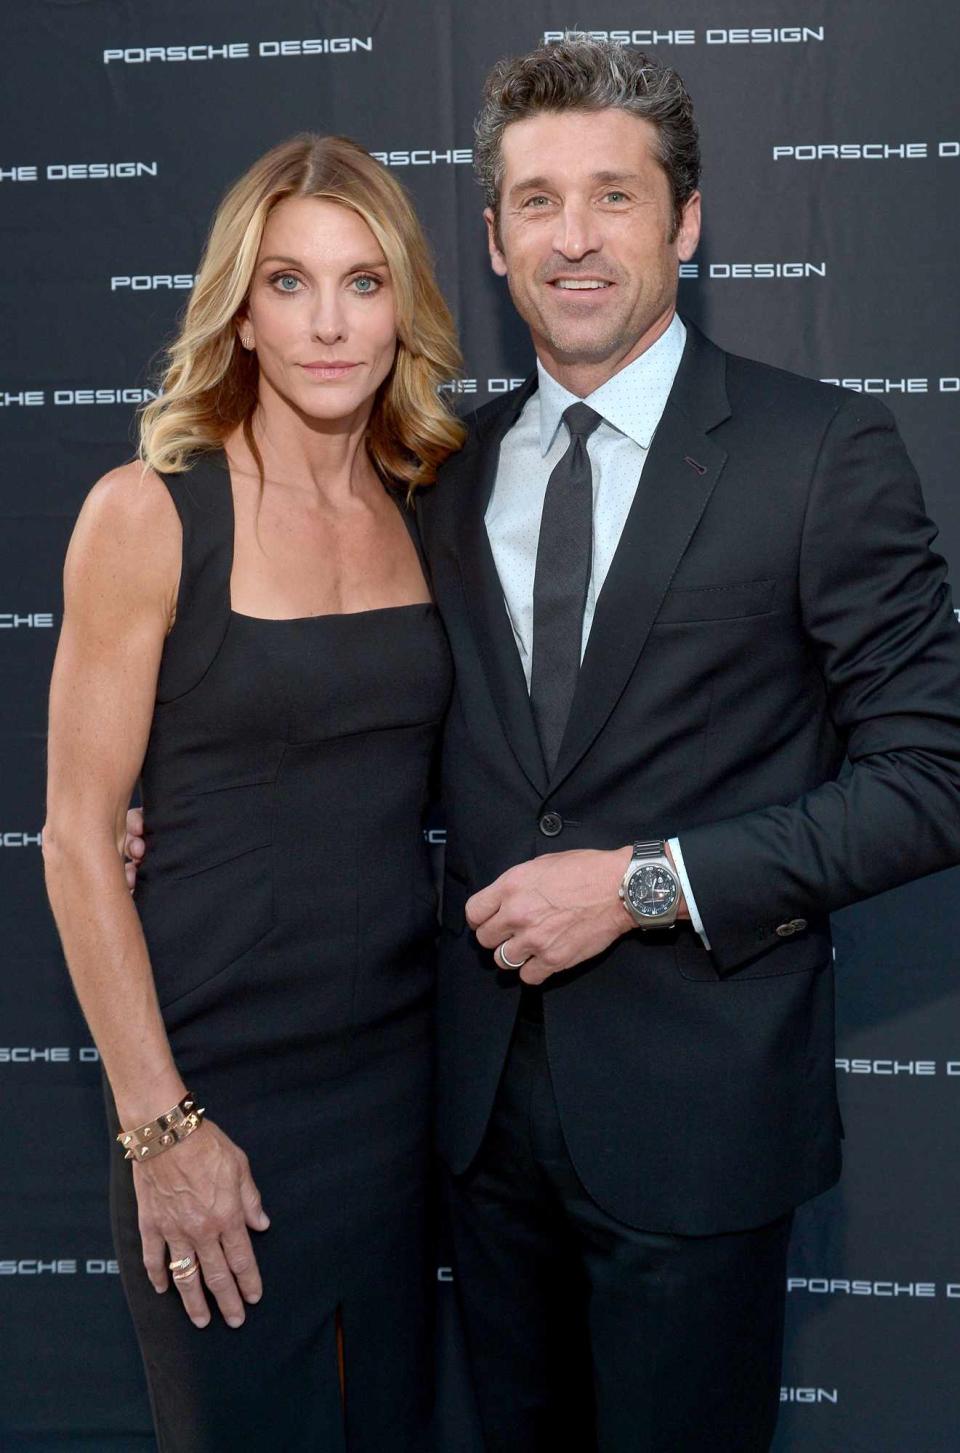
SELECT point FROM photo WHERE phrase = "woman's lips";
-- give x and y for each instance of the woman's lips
(328, 371)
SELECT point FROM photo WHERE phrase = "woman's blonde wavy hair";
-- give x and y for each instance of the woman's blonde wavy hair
(209, 385)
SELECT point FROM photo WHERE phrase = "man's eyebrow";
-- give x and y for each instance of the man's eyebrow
(533, 183)
(529, 184)
(615, 177)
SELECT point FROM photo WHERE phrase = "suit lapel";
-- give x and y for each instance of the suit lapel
(679, 475)
(484, 596)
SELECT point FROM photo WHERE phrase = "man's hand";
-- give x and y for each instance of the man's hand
(555, 911)
(552, 912)
(133, 846)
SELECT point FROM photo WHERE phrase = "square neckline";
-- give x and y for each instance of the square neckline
(328, 615)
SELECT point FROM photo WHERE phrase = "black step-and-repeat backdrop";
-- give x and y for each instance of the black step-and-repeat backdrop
(831, 162)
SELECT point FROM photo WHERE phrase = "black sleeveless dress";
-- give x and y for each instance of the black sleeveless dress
(288, 907)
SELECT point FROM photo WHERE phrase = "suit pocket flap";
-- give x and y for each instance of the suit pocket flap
(716, 602)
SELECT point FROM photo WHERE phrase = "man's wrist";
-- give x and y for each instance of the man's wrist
(621, 862)
(682, 910)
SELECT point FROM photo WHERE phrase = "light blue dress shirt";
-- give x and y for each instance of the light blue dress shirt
(630, 404)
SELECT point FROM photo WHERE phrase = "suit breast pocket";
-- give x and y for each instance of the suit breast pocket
(689, 604)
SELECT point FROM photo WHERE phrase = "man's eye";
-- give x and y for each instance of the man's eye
(615, 197)
(536, 201)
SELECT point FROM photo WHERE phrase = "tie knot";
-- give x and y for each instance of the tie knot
(581, 420)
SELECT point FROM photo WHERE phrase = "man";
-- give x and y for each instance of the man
(680, 588)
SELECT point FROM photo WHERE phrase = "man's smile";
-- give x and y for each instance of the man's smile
(580, 284)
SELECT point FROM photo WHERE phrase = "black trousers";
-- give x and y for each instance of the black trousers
(587, 1334)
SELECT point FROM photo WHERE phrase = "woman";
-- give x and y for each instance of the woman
(247, 627)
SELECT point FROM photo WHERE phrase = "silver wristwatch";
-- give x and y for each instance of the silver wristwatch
(650, 888)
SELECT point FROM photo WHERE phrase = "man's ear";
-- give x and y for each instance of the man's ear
(688, 233)
(497, 260)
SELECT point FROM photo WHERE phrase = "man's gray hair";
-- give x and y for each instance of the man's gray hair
(580, 74)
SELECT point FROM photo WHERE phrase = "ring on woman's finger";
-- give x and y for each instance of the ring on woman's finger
(186, 1275)
(508, 963)
(183, 1263)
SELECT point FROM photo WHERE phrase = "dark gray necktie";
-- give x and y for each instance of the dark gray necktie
(564, 558)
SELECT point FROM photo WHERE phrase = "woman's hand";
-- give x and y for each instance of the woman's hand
(198, 1200)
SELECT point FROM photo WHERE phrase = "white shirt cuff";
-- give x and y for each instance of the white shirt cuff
(695, 919)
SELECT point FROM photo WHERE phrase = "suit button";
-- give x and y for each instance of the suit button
(551, 823)
(787, 930)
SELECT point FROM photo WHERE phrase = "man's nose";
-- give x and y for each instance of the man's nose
(578, 232)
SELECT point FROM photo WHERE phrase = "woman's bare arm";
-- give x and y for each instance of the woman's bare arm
(120, 584)
(120, 587)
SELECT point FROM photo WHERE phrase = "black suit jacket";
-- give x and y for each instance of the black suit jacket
(774, 608)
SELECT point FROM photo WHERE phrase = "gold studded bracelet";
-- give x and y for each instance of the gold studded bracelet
(167, 1130)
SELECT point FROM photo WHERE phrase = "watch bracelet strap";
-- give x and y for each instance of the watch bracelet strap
(655, 848)
(162, 1134)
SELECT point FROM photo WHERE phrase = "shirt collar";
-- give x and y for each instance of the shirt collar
(632, 401)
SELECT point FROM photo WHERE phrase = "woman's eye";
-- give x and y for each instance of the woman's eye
(285, 282)
(366, 284)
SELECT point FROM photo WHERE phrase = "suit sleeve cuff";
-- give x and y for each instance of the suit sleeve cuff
(691, 902)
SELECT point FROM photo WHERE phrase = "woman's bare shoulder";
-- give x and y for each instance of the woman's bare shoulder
(131, 497)
(129, 529)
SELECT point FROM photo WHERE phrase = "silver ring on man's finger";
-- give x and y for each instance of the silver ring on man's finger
(508, 963)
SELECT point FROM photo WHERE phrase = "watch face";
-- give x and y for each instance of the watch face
(652, 891)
